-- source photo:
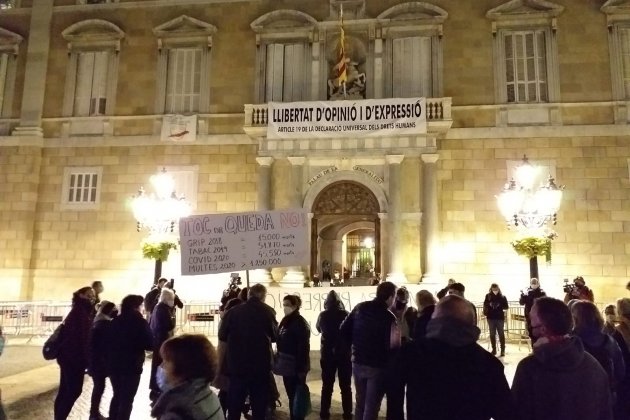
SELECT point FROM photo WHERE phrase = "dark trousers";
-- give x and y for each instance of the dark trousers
(395, 387)
(70, 387)
(343, 369)
(98, 380)
(125, 386)
(257, 387)
(369, 383)
(290, 384)
(497, 326)
(155, 362)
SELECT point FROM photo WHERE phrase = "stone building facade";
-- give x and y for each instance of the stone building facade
(85, 86)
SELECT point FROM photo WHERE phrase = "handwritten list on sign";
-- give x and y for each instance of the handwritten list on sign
(219, 243)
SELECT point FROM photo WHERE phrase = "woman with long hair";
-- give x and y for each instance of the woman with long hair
(494, 307)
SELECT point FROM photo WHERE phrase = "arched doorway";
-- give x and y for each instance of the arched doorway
(337, 206)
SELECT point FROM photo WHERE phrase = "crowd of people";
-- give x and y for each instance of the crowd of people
(426, 361)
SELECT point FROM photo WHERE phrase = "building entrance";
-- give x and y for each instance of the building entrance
(345, 234)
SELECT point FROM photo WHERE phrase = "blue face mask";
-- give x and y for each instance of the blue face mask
(160, 378)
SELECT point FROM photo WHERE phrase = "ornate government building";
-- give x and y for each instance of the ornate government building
(89, 90)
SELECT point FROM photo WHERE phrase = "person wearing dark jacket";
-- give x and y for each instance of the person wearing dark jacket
(249, 329)
(426, 306)
(443, 292)
(130, 337)
(98, 350)
(622, 337)
(533, 292)
(559, 380)
(294, 339)
(152, 298)
(449, 376)
(373, 332)
(73, 351)
(335, 356)
(162, 325)
(494, 307)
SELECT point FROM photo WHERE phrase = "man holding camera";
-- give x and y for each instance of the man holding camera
(577, 290)
(527, 298)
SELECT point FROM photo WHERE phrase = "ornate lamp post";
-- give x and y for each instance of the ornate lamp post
(159, 213)
(530, 210)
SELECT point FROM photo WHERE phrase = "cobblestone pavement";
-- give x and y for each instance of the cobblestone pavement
(29, 394)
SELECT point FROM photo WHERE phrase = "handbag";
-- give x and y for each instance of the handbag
(302, 401)
(52, 346)
(284, 364)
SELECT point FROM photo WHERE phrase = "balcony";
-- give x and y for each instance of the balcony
(438, 117)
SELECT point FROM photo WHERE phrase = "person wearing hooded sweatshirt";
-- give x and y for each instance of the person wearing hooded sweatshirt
(73, 351)
(130, 337)
(550, 383)
(162, 325)
(335, 356)
(98, 348)
(449, 376)
(622, 336)
(294, 339)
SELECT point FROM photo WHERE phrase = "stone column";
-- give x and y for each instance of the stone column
(263, 203)
(430, 222)
(36, 69)
(294, 276)
(337, 263)
(395, 273)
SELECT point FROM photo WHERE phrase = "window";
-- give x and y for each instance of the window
(183, 80)
(81, 188)
(9, 49)
(92, 71)
(8, 4)
(90, 96)
(412, 67)
(411, 41)
(525, 66)
(183, 68)
(284, 57)
(624, 43)
(525, 54)
(284, 72)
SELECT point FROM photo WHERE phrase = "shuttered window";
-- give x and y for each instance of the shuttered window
(285, 70)
(82, 187)
(624, 38)
(183, 86)
(526, 67)
(90, 98)
(412, 67)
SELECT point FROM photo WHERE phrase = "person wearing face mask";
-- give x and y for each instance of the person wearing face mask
(162, 325)
(98, 349)
(73, 351)
(610, 320)
(494, 307)
(188, 366)
(406, 317)
(559, 380)
(527, 298)
(294, 340)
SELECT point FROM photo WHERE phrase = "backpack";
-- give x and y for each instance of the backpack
(603, 356)
(51, 348)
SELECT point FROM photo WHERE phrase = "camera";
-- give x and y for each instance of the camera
(235, 281)
(568, 287)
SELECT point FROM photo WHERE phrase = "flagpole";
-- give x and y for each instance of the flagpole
(343, 40)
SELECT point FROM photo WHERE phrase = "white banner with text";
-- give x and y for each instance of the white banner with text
(370, 117)
(219, 243)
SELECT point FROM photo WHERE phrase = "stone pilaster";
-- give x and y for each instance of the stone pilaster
(263, 202)
(36, 68)
(395, 273)
(294, 276)
(430, 223)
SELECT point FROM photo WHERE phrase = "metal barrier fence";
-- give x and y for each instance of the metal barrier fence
(39, 319)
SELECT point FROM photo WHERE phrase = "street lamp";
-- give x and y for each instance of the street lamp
(530, 210)
(158, 213)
